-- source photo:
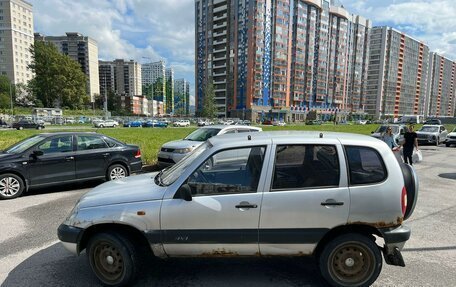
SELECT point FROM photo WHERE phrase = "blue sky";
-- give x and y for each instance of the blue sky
(164, 29)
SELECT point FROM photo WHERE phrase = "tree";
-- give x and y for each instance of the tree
(209, 108)
(5, 98)
(24, 96)
(59, 80)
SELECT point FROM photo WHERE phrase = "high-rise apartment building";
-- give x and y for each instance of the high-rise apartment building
(181, 97)
(264, 57)
(154, 80)
(169, 89)
(442, 95)
(397, 79)
(16, 39)
(122, 77)
(83, 50)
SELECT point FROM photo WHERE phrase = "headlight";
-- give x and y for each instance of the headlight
(183, 150)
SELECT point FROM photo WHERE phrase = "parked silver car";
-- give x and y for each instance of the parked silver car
(432, 134)
(105, 124)
(398, 132)
(173, 151)
(451, 138)
(320, 194)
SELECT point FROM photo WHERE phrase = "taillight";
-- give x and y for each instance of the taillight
(404, 200)
(138, 154)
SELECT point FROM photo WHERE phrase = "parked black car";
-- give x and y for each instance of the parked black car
(28, 124)
(56, 158)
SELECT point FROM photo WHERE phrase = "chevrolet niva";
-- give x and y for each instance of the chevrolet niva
(341, 198)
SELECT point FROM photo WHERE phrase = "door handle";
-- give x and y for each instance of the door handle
(246, 205)
(332, 202)
(69, 158)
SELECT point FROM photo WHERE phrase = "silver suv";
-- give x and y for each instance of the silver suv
(398, 132)
(277, 194)
(173, 151)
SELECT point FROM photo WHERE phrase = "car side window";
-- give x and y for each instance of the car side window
(365, 165)
(110, 142)
(305, 166)
(57, 145)
(90, 143)
(229, 171)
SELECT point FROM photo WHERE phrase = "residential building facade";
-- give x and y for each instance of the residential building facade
(169, 90)
(137, 105)
(397, 81)
(181, 97)
(442, 97)
(154, 80)
(83, 50)
(16, 39)
(121, 76)
(280, 57)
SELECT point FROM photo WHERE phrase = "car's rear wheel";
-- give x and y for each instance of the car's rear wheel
(116, 171)
(351, 260)
(11, 186)
(113, 259)
(447, 144)
(20, 128)
(39, 127)
(101, 126)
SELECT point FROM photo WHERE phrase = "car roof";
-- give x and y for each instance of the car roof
(293, 135)
(228, 127)
(69, 133)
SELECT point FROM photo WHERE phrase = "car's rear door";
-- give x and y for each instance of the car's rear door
(308, 196)
(222, 218)
(56, 164)
(92, 156)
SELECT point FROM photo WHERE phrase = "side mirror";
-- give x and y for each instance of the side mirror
(37, 153)
(372, 132)
(184, 192)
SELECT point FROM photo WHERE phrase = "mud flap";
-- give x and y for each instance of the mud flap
(393, 256)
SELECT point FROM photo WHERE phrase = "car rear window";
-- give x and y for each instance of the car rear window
(365, 165)
(306, 166)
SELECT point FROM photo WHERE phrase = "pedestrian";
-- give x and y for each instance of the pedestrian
(410, 142)
(388, 138)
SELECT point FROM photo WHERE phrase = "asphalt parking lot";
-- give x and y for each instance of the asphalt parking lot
(30, 254)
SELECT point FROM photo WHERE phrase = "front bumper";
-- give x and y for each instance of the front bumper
(70, 237)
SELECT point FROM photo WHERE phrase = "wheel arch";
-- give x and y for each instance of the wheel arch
(366, 230)
(128, 231)
(122, 163)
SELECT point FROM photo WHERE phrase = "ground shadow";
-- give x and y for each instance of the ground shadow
(54, 266)
(448, 175)
(63, 187)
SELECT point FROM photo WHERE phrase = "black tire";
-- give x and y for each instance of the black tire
(116, 171)
(351, 260)
(39, 127)
(20, 128)
(101, 126)
(12, 186)
(447, 144)
(113, 258)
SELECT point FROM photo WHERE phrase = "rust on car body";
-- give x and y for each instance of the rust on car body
(219, 253)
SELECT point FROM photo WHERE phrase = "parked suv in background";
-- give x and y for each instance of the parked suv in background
(28, 124)
(451, 138)
(432, 134)
(182, 123)
(321, 194)
(173, 151)
(105, 124)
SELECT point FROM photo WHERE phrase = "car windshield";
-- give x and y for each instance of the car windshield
(24, 145)
(202, 135)
(382, 129)
(169, 176)
(429, 129)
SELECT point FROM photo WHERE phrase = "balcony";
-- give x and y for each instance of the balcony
(220, 25)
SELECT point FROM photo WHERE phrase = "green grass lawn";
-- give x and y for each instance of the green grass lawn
(151, 139)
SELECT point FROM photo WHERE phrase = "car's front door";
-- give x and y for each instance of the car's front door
(56, 164)
(222, 217)
(92, 156)
(308, 196)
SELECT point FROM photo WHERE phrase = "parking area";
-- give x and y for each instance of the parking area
(30, 254)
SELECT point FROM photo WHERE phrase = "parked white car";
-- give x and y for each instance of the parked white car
(182, 123)
(105, 124)
(326, 195)
(174, 151)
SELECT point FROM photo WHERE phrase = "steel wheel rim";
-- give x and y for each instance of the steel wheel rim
(9, 186)
(108, 261)
(117, 173)
(351, 263)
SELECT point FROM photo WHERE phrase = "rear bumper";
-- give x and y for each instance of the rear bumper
(135, 166)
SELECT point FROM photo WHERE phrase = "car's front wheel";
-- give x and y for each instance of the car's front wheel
(11, 186)
(101, 126)
(116, 171)
(351, 260)
(113, 259)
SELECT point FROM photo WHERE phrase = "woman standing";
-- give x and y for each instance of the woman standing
(388, 138)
